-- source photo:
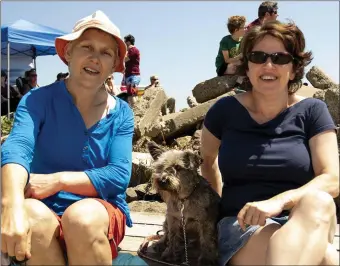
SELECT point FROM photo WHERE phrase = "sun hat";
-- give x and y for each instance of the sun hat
(97, 20)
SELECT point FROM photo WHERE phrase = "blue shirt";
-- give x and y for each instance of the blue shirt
(260, 161)
(49, 136)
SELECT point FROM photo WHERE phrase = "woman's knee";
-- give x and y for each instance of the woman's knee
(317, 205)
(41, 218)
(86, 218)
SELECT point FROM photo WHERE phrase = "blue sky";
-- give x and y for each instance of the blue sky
(179, 40)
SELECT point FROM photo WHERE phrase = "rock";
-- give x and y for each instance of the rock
(192, 101)
(131, 195)
(182, 143)
(319, 94)
(147, 206)
(213, 88)
(169, 106)
(155, 128)
(332, 100)
(140, 144)
(141, 168)
(196, 140)
(147, 192)
(319, 79)
(147, 109)
(180, 123)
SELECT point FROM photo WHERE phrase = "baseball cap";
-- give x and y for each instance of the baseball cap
(97, 20)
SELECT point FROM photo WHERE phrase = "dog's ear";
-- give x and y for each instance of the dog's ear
(154, 150)
(192, 160)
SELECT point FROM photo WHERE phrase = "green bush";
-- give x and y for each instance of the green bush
(6, 125)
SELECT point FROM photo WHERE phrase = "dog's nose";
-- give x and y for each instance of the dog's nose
(164, 180)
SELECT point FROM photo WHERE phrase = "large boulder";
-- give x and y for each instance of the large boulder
(319, 79)
(212, 88)
(141, 168)
(180, 123)
(147, 109)
(333, 102)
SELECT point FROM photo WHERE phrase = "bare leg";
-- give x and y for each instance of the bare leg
(45, 228)
(85, 226)
(305, 237)
(331, 257)
(255, 251)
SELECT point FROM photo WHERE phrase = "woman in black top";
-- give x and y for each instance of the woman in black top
(276, 154)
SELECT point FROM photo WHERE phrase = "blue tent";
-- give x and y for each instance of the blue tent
(28, 39)
(23, 39)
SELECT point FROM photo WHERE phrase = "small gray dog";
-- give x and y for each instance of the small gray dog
(177, 180)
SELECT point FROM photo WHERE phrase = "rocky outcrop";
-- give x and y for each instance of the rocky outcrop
(212, 88)
(319, 79)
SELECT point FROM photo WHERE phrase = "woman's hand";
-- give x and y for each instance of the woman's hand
(256, 213)
(42, 186)
(15, 232)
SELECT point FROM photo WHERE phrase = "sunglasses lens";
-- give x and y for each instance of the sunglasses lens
(281, 58)
(257, 57)
(277, 58)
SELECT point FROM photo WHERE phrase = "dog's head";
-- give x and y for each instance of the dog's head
(174, 171)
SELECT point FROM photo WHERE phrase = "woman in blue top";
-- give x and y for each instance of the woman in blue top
(67, 161)
(277, 157)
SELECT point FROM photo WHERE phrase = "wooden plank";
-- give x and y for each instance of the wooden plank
(147, 218)
(131, 244)
(142, 230)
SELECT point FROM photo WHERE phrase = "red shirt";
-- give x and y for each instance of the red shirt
(256, 22)
(132, 66)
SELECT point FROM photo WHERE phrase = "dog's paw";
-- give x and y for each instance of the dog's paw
(207, 261)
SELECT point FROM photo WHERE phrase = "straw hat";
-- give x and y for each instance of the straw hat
(97, 20)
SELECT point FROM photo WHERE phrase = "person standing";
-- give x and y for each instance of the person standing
(131, 77)
(267, 12)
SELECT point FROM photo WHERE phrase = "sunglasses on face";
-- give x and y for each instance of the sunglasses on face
(258, 57)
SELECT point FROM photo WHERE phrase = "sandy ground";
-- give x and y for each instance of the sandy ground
(306, 91)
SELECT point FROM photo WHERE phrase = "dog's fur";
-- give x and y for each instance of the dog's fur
(177, 180)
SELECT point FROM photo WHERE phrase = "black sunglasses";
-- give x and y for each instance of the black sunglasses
(258, 57)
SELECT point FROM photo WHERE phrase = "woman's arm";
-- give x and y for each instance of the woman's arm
(325, 160)
(228, 60)
(209, 152)
(17, 151)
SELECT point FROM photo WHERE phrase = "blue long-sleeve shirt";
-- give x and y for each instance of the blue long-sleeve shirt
(49, 136)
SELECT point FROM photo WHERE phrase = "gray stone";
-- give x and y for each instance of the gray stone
(213, 88)
(141, 168)
(192, 101)
(319, 79)
(147, 109)
(188, 120)
(333, 102)
(319, 94)
(131, 195)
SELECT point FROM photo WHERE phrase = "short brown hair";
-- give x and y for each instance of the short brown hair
(235, 23)
(294, 42)
(267, 6)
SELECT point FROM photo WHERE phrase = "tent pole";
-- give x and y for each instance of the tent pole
(8, 79)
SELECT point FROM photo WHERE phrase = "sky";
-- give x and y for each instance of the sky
(179, 40)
